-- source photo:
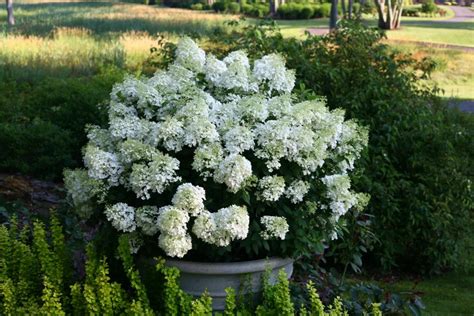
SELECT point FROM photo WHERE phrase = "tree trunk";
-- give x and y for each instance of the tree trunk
(343, 7)
(391, 18)
(351, 2)
(333, 16)
(273, 7)
(10, 17)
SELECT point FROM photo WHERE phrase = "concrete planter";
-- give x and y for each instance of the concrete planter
(196, 277)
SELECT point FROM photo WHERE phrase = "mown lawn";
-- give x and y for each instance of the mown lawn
(426, 29)
(448, 294)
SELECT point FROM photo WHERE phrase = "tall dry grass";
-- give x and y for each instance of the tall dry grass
(79, 38)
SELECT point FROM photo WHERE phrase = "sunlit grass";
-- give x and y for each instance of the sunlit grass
(106, 18)
(428, 29)
(78, 38)
(453, 71)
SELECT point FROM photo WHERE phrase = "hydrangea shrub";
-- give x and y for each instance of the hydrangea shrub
(218, 160)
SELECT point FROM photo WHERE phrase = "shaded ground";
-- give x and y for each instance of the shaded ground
(36, 195)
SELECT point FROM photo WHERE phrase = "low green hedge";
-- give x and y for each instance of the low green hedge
(303, 11)
(42, 122)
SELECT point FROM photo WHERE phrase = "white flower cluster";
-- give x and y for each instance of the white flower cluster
(122, 217)
(272, 187)
(297, 191)
(275, 227)
(81, 190)
(338, 192)
(190, 198)
(222, 227)
(231, 122)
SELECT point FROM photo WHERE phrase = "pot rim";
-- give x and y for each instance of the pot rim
(240, 267)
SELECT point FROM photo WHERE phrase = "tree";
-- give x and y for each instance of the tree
(347, 11)
(389, 14)
(274, 4)
(10, 17)
(333, 15)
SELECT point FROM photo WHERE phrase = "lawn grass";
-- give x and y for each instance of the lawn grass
(449, 294)
(453, 72)
(426, 29)
(76, 38)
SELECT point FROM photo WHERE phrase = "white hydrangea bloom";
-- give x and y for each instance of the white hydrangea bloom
(280, 105)
(222, 118)
(207, 158)
(170, 133)
(252, 109)
(297, 191)
(102, 165)
(134, 241)
(222, 227)
(172, 220)
(189, 198)
(271, 138)
(81, 190)
(232, 223)
(353, 139)
(132, 150)
(271, 188)
(147, 219)
(119, 110)
(275, 227)
(214, 69)
(271, 68)
(154, 176)
(190, 55)
(236, 76)
(338, 191)
(205, 227)
(238, 139)
(122, 217)
(175, 245)
(126, 91)
(129, 127)
(198, 131)
(99, 137)
(233, 171)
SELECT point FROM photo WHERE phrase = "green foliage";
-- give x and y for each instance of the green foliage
(233, 8)
(122, 292)
(230, 303)
(417, 147)
(323, 11)
(197, 6)
(220, 6)
(429, 6)
(276, 298)
(31, 275)
(202, 306)
(42, 128)
(257, 10)
(51, 299)
(316, 307)
(411, 11)
(293, 11)
(134, 276)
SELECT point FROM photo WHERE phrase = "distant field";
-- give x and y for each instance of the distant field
(76, 37)
(413, 29)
